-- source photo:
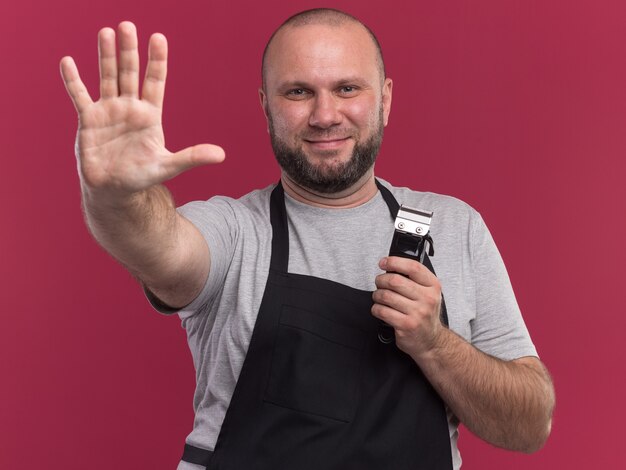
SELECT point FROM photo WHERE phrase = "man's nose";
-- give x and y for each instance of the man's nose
(326, 111)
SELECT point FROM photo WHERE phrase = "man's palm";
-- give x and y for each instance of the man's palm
(120, 145)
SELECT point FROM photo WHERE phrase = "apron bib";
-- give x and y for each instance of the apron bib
(318, 390)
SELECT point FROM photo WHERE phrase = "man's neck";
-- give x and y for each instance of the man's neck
(359, 193)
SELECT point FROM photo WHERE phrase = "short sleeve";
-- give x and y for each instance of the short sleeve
(216, 221)
(498, 328)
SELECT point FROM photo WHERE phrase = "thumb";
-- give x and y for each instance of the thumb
(191, 157)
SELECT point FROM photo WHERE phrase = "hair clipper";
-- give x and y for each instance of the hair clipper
(411, 240)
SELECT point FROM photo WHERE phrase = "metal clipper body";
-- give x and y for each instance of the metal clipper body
(411, 239)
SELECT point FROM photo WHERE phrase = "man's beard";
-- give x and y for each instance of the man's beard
(327, 179)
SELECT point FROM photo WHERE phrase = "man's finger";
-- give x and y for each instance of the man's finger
(203, 154)
(399, 283)
(414, 270)
(156, 71)
(74, 85)
(128, 73)
(393, 300)
(108, 63)
(390, 316)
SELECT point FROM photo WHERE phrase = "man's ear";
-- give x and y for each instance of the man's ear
(264, 106)
(386, 98)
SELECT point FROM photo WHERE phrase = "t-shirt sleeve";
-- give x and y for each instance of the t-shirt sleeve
(216, 221)
(498, 328)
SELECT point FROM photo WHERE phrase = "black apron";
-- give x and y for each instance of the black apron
(318, 390)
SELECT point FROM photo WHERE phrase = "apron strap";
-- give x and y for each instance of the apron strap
(280, 231)
(392, 204)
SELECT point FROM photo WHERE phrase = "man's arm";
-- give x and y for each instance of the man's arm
(122, 163)
(157, 245)
(508, 404)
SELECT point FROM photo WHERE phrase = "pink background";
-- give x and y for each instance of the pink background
(518, 107)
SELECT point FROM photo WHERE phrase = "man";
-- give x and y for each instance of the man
(275, 289)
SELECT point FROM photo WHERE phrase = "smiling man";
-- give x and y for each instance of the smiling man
(282, 292)
(326, 102)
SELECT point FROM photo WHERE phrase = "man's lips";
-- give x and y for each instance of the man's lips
(327, 144)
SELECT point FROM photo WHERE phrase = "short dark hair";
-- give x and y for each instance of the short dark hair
(323, 16)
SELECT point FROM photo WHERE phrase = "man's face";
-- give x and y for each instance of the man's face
(326, 104)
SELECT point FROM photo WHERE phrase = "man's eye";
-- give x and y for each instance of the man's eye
(296, 92)
(348, 90)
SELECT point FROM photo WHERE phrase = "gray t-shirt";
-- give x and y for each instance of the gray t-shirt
(343, 245)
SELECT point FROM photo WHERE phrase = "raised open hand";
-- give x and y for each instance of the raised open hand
(120, 145)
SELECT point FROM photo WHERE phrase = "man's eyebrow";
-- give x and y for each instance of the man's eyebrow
(351, 81)
(293, 84)
(354, 80)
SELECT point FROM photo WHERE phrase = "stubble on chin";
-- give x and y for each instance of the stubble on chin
(329, 175)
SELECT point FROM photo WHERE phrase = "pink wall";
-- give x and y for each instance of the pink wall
(518, 107)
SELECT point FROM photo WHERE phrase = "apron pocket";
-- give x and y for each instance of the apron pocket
(315, 365)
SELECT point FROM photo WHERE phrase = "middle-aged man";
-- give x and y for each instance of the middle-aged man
(283, 291)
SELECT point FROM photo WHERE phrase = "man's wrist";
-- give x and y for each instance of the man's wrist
(441, 344)
(103, 205)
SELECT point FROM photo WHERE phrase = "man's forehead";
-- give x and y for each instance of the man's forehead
(311, 35)
(324, 44)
